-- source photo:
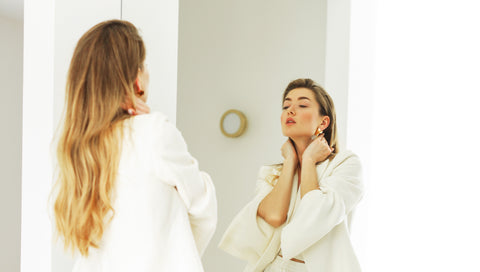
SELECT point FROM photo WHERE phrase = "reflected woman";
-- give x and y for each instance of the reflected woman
(129, 196)
(299, 219)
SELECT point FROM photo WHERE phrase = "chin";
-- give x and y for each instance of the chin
(295, 133)
(289, 134)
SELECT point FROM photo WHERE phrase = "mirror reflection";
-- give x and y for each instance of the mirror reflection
(408, 122)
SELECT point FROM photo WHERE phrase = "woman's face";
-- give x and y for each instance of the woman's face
(301, 114)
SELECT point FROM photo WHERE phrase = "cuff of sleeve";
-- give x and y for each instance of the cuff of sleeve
(291, 236)
(248, 235)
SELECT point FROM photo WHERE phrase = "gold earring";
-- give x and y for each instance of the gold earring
(318, 132)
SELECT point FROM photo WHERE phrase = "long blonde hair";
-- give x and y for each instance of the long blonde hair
(102, 74)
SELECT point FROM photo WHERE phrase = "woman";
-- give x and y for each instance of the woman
(300, 217)
(129, 196)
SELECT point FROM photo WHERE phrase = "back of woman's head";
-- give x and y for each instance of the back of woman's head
(325, 102)
(102, 74)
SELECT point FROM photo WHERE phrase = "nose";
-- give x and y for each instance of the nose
(291, 111)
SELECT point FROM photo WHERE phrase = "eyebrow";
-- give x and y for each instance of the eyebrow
(300, 98)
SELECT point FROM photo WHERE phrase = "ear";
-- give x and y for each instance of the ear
(137, 84)
(325, 122)
(138, 87)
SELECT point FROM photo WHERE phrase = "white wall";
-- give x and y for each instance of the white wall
(360, 113)
(157, 22)
(241, 55)
(337, 60)
(37, 130)
(11, 76)
(424, 212)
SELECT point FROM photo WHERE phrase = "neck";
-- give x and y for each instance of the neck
(300, 146)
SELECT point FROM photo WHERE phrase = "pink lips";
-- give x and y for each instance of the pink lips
(290, 121)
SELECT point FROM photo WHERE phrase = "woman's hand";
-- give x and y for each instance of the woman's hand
(318, 150)
(289, 152)
(142, 107)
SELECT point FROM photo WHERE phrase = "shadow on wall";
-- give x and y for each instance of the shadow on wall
(11, 76)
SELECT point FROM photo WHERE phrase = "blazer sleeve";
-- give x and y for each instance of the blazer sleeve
(175, 166)
(321, 210)
(248, 235)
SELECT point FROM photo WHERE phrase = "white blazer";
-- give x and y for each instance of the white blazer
(165, 208)
(317, 227)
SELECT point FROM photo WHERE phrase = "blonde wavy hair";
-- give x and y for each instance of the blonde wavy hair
(327, 108)
(102, 73)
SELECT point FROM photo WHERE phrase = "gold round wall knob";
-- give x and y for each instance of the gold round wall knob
(233, 123)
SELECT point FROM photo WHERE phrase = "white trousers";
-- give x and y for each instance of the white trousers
(281, 265)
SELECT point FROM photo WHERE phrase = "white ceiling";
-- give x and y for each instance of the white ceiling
(12, 9)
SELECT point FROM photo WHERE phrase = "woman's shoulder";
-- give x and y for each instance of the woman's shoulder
(155, 128)
(344, 155)
(155, 123)
(269, 169)
(343, 158)
(151, 119)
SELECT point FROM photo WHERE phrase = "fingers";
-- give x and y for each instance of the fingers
(323, 140)
(288, 150)
(128, 108)
(140, 108)
(322, 144)
(320, 139)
